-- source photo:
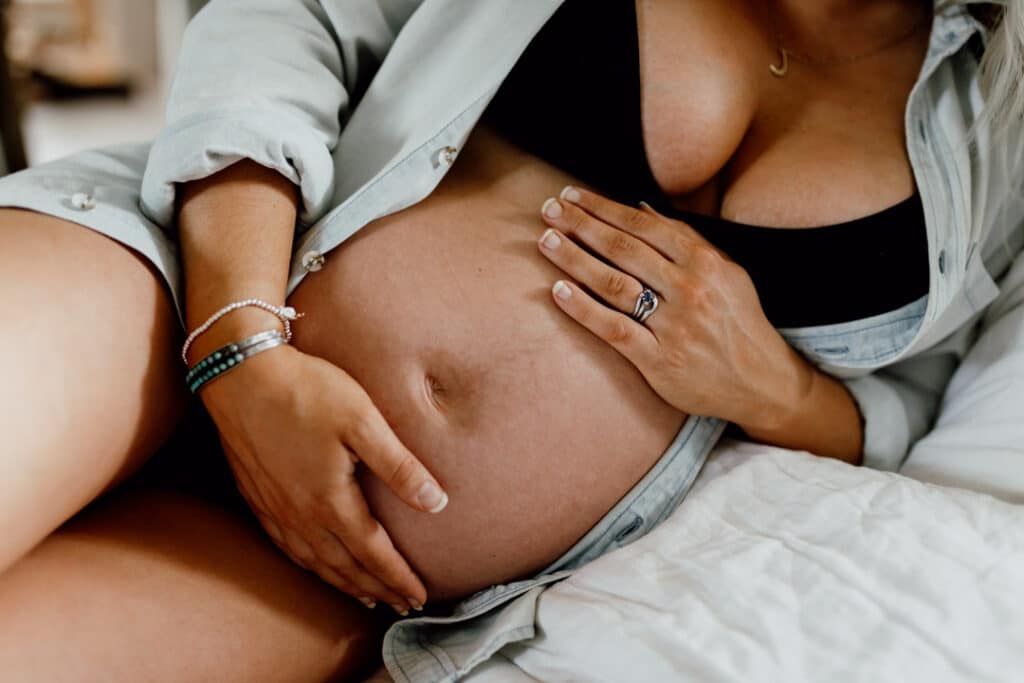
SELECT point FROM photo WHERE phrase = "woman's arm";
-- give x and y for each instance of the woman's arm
(235, 231)
(273, 81)
(872, 420)
(293, 426)
(261, 93)
(810, 411)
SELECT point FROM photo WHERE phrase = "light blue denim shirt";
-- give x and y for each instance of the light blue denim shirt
(365, 103)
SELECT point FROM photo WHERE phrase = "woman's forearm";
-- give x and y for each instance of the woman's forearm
(236, 229)
(818, 415)
(293, 425)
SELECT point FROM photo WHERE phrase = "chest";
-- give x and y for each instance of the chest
(724, 136)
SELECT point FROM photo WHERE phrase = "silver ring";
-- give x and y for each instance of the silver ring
(646, 304)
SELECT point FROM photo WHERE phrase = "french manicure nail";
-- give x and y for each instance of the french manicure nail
(370, 603)
(570, 194)
(551, 208)
(431, 497)
(402, 611)
(416, 604)
(562, 291)
(647, 207)
(550, 240)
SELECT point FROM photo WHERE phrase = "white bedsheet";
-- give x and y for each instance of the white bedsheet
(785, 567)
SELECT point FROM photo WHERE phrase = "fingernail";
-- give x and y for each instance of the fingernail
(370, 603)
(431, 497)
(571, 194)
(550, 240)
(416, 604)
(562, 291)
(647, 207)
(551, 208)
(402, 611)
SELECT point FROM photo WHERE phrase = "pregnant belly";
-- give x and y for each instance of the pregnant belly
(534, 427)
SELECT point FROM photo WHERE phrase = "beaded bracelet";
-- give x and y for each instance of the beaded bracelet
(284, 313)
(227, 358)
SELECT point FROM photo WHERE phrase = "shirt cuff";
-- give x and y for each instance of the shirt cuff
(886, 428)
(204, 143)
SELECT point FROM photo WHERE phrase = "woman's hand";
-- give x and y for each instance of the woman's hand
(293, 428)
(708, 349)
(293, 425)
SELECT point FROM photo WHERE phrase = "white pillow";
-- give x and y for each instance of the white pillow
(978, 439)
(781, 566)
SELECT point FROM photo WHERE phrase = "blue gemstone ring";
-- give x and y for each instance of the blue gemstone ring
(646, 304)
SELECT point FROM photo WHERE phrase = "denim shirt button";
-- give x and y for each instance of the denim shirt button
(83, 201)
(312, 261)
(445, 156)
(629, 529)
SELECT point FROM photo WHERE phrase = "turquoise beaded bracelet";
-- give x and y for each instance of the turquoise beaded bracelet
(229, 357)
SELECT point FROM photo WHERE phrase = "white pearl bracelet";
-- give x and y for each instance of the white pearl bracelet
(284, 313)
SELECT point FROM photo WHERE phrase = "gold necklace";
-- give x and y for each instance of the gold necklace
(785, 54)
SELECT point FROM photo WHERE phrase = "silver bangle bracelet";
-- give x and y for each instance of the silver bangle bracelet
(229, 357)
(284, 313)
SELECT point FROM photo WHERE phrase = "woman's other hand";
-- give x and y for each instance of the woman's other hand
(708, 349)
(293, 428)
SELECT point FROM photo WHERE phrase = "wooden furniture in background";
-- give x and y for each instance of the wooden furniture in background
(12, 151)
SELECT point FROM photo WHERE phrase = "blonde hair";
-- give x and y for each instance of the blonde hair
(1002, 70)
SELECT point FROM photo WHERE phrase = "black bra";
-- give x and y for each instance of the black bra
(573, 99)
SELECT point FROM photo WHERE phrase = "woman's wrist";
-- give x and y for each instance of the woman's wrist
(236, 233)
(812, 411)
(233, 327)
(225, 394)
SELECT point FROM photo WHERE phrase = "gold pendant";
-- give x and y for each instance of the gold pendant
(783, 69)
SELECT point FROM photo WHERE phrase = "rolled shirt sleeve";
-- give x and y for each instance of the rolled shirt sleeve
(886, 425)
(899, 403)
(272, 81)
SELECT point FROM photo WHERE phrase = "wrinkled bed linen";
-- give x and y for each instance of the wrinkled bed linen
(786, 567)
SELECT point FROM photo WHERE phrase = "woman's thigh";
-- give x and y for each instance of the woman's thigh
(90, 384)
(152, 585)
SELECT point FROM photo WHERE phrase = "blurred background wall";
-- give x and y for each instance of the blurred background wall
(76, 74)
